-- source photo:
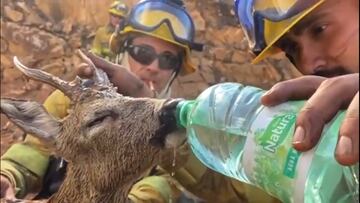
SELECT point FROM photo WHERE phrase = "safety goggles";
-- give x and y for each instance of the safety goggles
(252, 15)
(146, 55)
(150, 15)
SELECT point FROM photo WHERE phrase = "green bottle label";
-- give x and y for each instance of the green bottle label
(271, 163)
(291, 163)
(276, 132)
(274, 135)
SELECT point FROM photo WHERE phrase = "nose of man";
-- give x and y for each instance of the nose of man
(311, 59)
(153, 67)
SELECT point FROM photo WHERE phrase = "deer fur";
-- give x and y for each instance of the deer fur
(108, 140)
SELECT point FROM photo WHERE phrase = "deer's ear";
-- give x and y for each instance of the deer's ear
(32, 118)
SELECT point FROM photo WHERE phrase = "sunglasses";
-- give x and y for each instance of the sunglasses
(146, 55)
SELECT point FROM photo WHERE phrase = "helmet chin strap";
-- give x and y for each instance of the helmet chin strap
(165, 92)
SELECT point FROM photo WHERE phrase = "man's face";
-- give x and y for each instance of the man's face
(115, 20)
(152, 73)
(326, 42)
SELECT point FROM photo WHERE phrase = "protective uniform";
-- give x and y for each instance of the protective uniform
(264, 22)
(100, 44)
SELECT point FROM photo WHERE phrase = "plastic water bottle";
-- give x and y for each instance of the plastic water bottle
(232, 133)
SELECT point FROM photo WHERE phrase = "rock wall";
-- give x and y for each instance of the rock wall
(45, 34)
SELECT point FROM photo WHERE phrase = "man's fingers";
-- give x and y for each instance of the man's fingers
(321, 108)
(7, 191)
(295, 89)
(101, 63)
(347, 149)
(126, 81)
(84, 71)
(309, 126)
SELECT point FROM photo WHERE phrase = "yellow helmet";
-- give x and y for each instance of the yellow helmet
(119, 8)
(264, 22)
(163, 19)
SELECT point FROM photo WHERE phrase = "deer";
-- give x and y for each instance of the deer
(108, 140)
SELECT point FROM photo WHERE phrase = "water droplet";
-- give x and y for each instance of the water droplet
(173, 163)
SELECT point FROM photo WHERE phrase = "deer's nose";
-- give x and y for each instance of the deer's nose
(168, 112)
(168, 124)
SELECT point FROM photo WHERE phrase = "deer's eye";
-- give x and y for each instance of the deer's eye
(100, 117)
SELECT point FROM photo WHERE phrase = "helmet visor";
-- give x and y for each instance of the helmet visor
(278, 10)
(149, 15)
(253, 13)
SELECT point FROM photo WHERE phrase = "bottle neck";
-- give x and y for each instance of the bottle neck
(182, 112)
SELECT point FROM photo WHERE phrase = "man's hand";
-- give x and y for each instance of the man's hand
(7, 189)
(127, 83)
(325, 98)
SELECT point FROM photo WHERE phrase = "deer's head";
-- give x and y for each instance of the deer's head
(104, 129)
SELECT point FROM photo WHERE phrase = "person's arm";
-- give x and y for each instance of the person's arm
(208, 185)
(325, 98)
(154, 189)
(24, 164)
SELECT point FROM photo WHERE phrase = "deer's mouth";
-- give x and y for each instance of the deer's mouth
(168, 124)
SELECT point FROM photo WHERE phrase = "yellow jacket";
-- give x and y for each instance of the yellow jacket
(25, 165)
(100, 45)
